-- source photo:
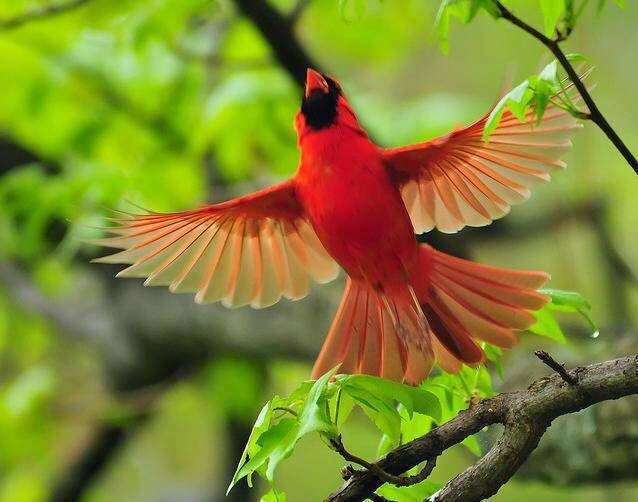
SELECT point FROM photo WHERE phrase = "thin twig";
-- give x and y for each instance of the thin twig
(379, 472)
(556, 366)
(595, 114)
(40, 13)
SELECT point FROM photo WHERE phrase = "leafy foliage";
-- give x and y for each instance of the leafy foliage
(561, 301)
(535, 93)
(463, 10)
(571, 301)
(323, 406)
(400, 412)
(559, 16)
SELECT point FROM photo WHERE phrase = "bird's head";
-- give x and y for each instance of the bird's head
(323, 105)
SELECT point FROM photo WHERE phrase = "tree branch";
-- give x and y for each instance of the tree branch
(278, 32)
(595, 114)
(525, 414)
(296, 12)
(556, 366)
(374, 468)
(39, 13)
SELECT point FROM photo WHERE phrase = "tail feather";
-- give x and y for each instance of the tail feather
(487, 303)
(503, 314)
(483, 328)
(398, 333)
(370, 335)
(444, 358)
(524, 279)
(418, 366)
(452, 334)
(500, 292)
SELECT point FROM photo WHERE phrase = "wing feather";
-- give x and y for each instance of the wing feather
(458, 179)
(251, 250)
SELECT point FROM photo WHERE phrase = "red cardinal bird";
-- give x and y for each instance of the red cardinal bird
(354, 204)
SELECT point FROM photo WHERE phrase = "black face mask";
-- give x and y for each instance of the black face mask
(320, 108)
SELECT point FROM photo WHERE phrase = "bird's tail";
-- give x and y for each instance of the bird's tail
(447, 307)
(376, 334)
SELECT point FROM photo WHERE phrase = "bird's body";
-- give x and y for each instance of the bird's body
(354, 207)
(352, 203)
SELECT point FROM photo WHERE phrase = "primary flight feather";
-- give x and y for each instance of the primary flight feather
(356, 205)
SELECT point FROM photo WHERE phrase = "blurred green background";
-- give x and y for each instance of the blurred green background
(111, 391)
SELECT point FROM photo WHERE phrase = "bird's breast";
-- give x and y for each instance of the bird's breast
(358, 215)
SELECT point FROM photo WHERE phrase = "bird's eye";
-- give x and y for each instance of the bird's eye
(315, 96)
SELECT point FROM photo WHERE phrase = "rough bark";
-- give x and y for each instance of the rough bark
(525, 414)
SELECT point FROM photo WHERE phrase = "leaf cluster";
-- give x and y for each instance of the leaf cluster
(559, 16)
(323, 406)
(534, 94)
(400, 412)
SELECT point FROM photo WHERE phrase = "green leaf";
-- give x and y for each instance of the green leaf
(482, 382)
(415, 493)
(388, 423)
(412, 398)
(548, 74)
(410, 429)
(272, 444)
(552, 11)
(561, 301)
(488, 6)
(571, 301)
(542, 94)
(514, 96)
(379, 409)
(341, 406)
(273, 496)
(494, 355)
(536, 91)
(300, 394)
(602, 3)
(463, 10)
(546, 325)
(442, 25)
(566, 301)
(313, 417)
(261, 425)
(574, 57)
(277, 438)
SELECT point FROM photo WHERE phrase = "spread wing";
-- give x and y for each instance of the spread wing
(458, 179)
(249, 250)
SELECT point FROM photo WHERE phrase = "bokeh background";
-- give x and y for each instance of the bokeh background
(110, 391)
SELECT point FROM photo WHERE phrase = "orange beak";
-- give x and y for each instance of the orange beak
(315, 81)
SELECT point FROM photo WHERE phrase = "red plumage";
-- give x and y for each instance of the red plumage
(354, 204)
